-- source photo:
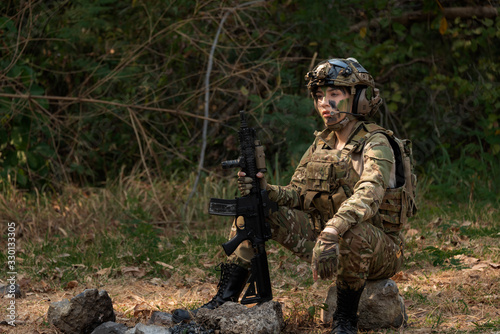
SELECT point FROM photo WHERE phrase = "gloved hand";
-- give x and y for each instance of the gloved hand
(245, 182)
(325, 254)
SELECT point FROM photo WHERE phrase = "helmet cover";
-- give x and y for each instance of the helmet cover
(348, 73)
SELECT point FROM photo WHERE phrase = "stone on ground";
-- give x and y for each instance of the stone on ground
(234, 318)
(83, 313)
(380, 306)
(110, 327)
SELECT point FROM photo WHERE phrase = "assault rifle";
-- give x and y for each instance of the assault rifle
(254, 208)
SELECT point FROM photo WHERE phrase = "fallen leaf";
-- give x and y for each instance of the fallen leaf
(71, 285)
(42, 287)
(480, 266)
(209, 264)
(103, 272)
(412, 232)
(163, 264)
(400, 277)
(165, 273)
(156, 281)
(63, 231)
(134, 271)
(467, 260)
(142, 309)
(436, 222)
(494, 265)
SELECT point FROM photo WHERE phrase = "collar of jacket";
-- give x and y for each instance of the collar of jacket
(327, 136)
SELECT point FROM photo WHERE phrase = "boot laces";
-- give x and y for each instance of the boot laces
(225, 274)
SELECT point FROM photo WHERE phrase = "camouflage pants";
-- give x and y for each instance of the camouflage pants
(366, 252)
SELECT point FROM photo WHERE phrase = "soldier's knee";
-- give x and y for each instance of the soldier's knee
(354, 240)
(355, 254)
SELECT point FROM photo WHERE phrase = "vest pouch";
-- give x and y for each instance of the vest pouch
(318, 175)
(393, 209)
(323, 204)
(338, 198)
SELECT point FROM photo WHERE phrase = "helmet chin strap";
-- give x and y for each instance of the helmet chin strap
(343, 123)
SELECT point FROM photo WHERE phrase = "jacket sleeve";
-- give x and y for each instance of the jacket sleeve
(290, 195)
(378, 159)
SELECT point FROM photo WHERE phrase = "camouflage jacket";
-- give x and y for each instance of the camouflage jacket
(340, 188)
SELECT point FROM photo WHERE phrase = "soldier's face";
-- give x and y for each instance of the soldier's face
(330, 102)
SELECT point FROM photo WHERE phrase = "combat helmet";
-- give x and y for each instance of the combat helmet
(348, 73)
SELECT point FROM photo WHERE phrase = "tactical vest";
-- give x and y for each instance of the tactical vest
(330, 180)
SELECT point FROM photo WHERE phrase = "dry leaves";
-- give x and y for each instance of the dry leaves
(474, 263)
(103, 272)
(71, 285)
(142, 310)
(133, 271)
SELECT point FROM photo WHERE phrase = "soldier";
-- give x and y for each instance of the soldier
(343, 209)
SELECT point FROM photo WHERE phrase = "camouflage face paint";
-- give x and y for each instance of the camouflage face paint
(316, 90)
(338, 110)
(332, 104)
(344, 105)
(338, 100)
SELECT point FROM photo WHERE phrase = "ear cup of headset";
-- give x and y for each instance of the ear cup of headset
(361, 104)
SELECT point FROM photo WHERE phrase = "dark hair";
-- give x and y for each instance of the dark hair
(343, 89)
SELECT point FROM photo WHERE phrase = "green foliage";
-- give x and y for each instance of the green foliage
(97, 61)
(441, 257)
(292, 119)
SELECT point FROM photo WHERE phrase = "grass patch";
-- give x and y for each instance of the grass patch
(140, 253)
(128, 232)
(487, 327)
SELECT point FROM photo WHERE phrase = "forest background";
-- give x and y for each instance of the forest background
(115, 116)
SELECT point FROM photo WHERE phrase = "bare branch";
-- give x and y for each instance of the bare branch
(419, 16)
(207, 100)
(116, 104)
(207, 95)
(385, 76)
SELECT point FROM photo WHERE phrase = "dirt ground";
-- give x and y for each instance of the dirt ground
(437, 301)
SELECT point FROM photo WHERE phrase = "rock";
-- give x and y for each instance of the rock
(10, 291)
(130, 331)
(234, 318)
(83, 313)
(380, 306)
(161, 319)
(190, 328)
(110, 328)
(152, 329)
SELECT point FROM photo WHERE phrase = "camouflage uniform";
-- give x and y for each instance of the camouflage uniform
(348, 188)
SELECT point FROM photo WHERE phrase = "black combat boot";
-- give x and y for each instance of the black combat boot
(345, 318)
(232, 281)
